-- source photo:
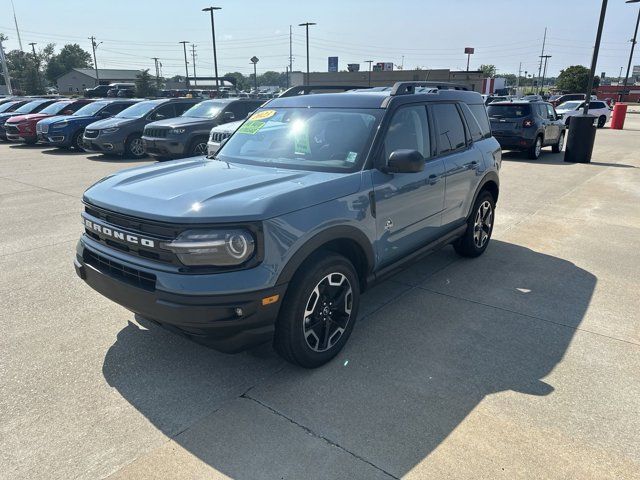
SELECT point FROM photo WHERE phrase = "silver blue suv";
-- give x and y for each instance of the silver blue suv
(310, 202)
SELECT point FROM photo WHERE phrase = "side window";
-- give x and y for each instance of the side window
(472, 123)
(480, 112)
(450, 128)
(165, 111)
(182, 107)
(597, 105)
(409, 129)
(237, 108)
(551, 112)
(115, 108)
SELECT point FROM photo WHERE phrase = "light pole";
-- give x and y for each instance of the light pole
(369, 62)
(213, 38)
(186, 64)
(633, 45)
(255, 60)
(582, 134)
(307, 25)
(469, 51)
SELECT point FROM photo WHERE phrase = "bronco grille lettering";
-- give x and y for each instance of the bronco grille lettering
(109, 232)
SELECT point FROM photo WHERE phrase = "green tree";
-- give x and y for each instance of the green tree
(489, 71)
(242, 82)
(145, 84)
(273, 79)
(71, 56)
(574, 79)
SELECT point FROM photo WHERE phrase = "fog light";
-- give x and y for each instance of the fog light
(239, 312)
(108, 146)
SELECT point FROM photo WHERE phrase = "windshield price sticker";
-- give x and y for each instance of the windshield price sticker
(251, 127)
(263, 115)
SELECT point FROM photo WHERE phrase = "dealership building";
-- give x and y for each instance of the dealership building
(77, 79)
(473, 80)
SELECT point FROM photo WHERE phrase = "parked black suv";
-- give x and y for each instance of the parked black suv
(527, 126)
(121, 134)
(187, 135)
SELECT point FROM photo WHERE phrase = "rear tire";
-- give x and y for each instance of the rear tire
(479, 227)
(319, 310)
(602, 120)
(557, 148)
(536, 149)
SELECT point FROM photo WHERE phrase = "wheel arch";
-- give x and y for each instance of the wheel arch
(345, 240)
(491, 183)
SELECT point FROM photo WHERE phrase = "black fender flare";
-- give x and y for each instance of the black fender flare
(490, 176)
(339, 232)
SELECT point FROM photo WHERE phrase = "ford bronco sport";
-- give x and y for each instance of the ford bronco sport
(312, 200)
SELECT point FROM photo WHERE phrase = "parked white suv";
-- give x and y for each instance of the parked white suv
(574, 107)
(220, 133)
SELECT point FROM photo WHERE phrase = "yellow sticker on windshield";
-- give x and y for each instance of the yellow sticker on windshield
(263, 115)
(250, 127)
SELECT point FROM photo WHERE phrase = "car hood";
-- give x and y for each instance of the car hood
(197, 190)
(182, 122)
(228, 127)
(112, 123)
(27, 117)
(69, 118)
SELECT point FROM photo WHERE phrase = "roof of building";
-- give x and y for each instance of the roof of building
(108, 73)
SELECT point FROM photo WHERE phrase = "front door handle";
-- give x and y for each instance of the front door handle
(433, 179)
(473, 165)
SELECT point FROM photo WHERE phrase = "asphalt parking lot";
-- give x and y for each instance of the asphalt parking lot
(520, 364)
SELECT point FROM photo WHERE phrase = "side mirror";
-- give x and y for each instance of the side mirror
(67, 112)
(228, 116)
(405, 161)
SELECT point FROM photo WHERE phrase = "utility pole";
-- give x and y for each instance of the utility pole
(213, 38)
(15, 20)
(290, 53)
(620, 75)
(37, 63)
(5, 70)
(156, 59)
(369, 62)
(544, 72)
(518, 79)
(193, 56)
(544, 41)
(186, 63)
(307, 25)
(633, 45)
(94, 45)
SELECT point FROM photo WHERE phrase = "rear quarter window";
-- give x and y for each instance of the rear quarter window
(480, 114)
(472, 123)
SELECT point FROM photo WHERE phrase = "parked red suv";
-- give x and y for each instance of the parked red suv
(22, 128)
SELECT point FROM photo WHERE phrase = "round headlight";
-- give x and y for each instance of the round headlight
(213, 247)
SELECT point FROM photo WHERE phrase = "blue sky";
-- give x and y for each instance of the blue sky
(429, 34)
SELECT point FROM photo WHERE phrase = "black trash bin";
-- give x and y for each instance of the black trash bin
(582, 136)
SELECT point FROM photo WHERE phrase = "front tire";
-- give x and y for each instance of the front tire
(76, 141)
(198, 147)
(479, 227)
(134, 147)
(319, 310)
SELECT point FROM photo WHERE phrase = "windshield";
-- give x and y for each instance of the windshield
(568, 105)
(508, 111)
(29, 107)
(91, 109)
(55, 108)
(137, 110)
(302, 138)
(7, 106)
(206, 109)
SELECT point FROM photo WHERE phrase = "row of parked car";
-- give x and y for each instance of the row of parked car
(164, 128)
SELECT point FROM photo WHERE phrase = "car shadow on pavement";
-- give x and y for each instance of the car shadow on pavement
(62, 151)
(411, 373)
(115, 159)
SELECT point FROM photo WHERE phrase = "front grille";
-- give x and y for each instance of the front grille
(126, 274)
(156, 132)
(218, 137)
(12, 129)
(91, 133)
(42, 128)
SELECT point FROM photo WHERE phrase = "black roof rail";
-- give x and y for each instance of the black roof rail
(408, 88)
(307, 89)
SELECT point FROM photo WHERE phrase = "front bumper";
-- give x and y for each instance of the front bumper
(211, 318)
(164, 147)
(212, 148)
(103, 145)
(58, 139)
